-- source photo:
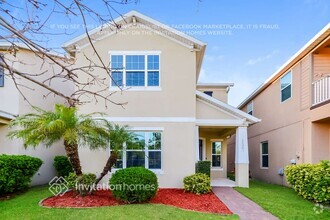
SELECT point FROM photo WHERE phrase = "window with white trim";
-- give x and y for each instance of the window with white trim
(249, 108)
(286, 86)
(135, 70)
(145, 151)
(2, 72)
(264, 155)
(216, 154)
(209, 93)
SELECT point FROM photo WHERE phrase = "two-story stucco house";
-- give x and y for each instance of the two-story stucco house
(178, 121)
(293, 105)
(12, 103)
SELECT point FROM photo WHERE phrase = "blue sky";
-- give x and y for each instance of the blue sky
(246, 57)
(242, 55)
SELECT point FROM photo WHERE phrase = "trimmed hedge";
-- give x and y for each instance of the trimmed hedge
(311, 181)
(134, 185)
(16, 172)
(204, 167)
(62, 166)
(198, 183)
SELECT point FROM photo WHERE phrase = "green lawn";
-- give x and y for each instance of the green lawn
(26, 206)
(281, 201)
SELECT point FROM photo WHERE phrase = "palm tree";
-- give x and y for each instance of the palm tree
(118, 135)
(62, 124)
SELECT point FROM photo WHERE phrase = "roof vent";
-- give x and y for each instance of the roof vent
(134, 20)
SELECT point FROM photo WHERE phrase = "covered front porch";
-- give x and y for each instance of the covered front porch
(212, 146)
(216, 122)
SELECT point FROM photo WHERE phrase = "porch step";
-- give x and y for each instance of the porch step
(222, 182)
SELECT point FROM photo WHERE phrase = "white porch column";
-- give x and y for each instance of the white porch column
(242, 157)
(197, 143)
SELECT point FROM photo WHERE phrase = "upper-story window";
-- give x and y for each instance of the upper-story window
(2, 73)
(249, 108)
(135, 70)
(286, 86)
(210, 93)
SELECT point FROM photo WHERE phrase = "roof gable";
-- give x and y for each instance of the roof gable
(205, 110)
(133, 18)
(225, 108)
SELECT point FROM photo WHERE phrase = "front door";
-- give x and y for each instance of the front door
(200, 149)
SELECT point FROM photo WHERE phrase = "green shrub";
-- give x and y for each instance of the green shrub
(198, 183)
(62, 166)
(71, 180)
(204, 167)
(311, 181)
(231, 176)
(134, 184)
(83, 184)
(16, 172)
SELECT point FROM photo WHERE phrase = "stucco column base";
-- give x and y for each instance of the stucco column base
(242, 174)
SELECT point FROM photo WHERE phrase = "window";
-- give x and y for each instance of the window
(135, 70)
(210, 93)
(286, 86)
(216, 154)
(249, 108)
(264, 155)
(117, 70)
(2, 73)
(144, 152)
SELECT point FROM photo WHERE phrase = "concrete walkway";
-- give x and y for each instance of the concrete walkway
(215, 182)
(240, 205)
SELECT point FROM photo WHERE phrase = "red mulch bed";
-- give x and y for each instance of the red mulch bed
(202, 203)
(174, 197)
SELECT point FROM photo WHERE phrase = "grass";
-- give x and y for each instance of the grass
(25, 206)
(281, 201)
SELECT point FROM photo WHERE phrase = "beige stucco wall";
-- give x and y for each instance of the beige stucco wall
(321, 141)
(178, 153)
(207, 111)
(175, 99)
(14, 103)
(9, 95)
(177, 77)
(218, 93)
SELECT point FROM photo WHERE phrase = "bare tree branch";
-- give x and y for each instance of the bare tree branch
(28, 24)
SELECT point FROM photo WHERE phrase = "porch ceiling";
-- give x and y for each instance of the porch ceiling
(5, 117)
(4, 121)
(221, 132)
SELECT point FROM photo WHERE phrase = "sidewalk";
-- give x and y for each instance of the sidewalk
(240, 205)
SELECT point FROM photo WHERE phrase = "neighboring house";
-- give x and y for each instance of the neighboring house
(294, 106)
(13, 104)
(178, 121)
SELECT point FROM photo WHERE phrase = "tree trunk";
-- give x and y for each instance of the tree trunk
(110, 162)
(72, 153)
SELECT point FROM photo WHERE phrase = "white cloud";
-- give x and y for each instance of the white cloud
(215, 48)
(202, 76)
(243, 84)
(213, 58)
(260, 59)
(240, 90)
